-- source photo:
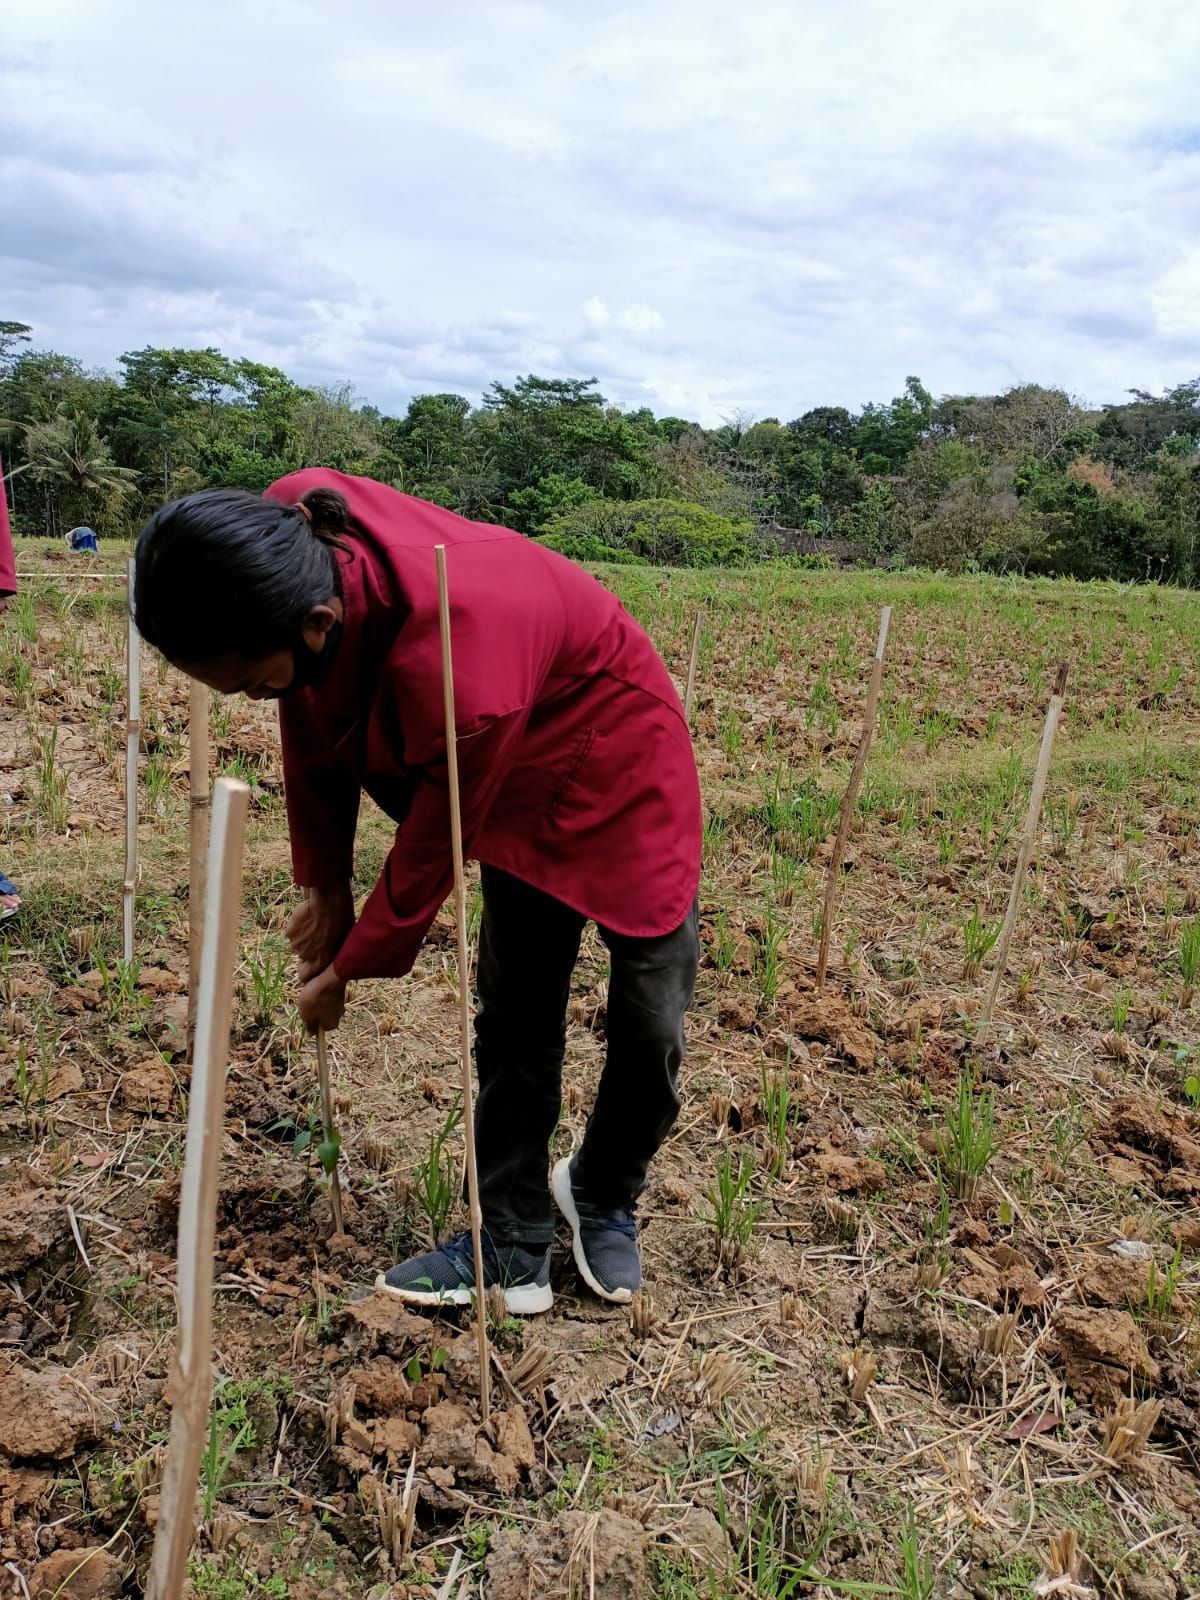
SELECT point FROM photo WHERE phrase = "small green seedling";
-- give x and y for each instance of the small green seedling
(434, 1185)
(967, 1143)
(1162, 1287)
(733, 1211)
(978, 938)
(777, 1115)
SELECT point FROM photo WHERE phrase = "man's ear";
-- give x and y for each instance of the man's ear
(316, 627)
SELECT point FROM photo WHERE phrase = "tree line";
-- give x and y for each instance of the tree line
(1031, 480)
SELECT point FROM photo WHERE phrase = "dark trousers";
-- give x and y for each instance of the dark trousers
(528, 946)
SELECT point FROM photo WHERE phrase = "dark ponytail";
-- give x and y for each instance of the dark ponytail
(328, 515)
(226, 572)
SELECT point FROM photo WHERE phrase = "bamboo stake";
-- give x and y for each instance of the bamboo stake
(690, 692)
(191, 1379)
(1028, 840)
(198, 762)
(833, 883)
(330, 1131)
(133, 729)
(464, 1001)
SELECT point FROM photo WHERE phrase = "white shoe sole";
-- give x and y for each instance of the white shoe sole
(523, 1300)
(560, 1187)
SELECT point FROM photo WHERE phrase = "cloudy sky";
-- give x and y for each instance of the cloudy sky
(752, 204)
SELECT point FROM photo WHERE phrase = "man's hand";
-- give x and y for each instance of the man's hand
(317, 928)
(322, 1001)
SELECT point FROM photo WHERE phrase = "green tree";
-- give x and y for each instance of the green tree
(878, 521)
(885, 436)
(533, 508)
(688, 465)
(1132, 434)
(12, 336)
(1029, 420)
(669, 533)
(1176, 512)
(70, 458)
(546, 426)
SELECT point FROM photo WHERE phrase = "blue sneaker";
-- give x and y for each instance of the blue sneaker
(10, 900)
(446, 1276)
(604, 1242)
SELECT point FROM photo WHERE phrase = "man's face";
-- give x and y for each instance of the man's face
(283, 671)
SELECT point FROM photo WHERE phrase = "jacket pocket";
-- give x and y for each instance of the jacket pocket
(571, 774)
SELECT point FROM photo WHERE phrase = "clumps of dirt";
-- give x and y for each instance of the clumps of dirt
(845, 1174)
(601, 1554)
(1108, 1279)
(416, 1400)
(737, 1011)
(948, 1344)
(828, 1019)
(1103, 1354)
(924, 1016)
(924, 1043)
(380, 1322)
(150, 1086)
(159, 980)
(265, 1196)
(587, 1356)
(808, 1017)
(1152, 1147)
(456, 1452)
(32, 1221)
(89, 1573)
(44, 1415)
(1002, 1278)
(260, 1097)
(22, 1494)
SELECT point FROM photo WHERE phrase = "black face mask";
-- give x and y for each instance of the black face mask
(310, 668)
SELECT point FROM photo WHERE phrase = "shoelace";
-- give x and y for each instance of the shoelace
(460, 1252)
(608, 1221)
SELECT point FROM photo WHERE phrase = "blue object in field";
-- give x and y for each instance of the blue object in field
(82, 539)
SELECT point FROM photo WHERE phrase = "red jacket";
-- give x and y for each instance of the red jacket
(575, 764)
(8, 565)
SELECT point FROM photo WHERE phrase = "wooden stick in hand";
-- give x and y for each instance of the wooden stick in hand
(329, 1133)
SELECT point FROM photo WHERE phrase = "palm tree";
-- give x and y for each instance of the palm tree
(69, 456)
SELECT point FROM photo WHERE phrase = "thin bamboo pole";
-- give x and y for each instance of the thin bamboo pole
(849, 800)
(464, 976)
(133, 729)
(325, 1084)
(198, 766)
(1028, 839)
(191, 1379)
(689, 697)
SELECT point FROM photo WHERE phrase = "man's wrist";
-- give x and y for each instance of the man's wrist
(342, 890)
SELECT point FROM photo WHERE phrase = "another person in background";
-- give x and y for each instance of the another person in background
(10, 900)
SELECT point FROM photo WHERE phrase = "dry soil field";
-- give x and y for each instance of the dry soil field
(921, 1309)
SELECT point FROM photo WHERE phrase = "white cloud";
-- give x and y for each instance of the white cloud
(709, 208)
(639, 319)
